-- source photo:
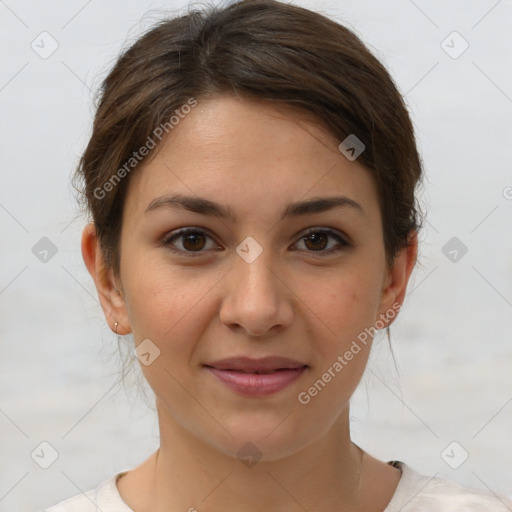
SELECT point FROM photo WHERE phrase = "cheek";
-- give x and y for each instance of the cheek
(344, 308)
(347, 308)
(164, 303)
(170, 308)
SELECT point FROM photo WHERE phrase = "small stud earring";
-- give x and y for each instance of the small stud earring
(115, 327)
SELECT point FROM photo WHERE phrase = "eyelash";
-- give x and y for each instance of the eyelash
(168, 241)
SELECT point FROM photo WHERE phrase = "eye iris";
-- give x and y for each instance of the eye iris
(319, 241)
(194, 238)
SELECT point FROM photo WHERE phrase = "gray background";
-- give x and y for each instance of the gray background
(59, 368)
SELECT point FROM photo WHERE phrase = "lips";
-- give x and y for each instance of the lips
(263, 365)
(256, 377)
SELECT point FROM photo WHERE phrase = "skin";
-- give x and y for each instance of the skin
(290, 301)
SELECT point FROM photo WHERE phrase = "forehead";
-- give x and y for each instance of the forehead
(252, 156)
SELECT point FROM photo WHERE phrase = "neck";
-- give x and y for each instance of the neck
(189, 474)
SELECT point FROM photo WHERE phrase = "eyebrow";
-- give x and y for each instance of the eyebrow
(207, 207)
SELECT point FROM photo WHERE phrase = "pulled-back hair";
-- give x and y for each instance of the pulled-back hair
(263, 50)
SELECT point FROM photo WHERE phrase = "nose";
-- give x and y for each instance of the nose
(256, 298)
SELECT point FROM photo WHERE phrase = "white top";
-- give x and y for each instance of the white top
(414, 493)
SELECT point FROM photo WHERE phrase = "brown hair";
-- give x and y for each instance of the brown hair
(264, 50)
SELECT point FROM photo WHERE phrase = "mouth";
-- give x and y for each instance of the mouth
(257, 372)
(257, 377)
(262, 365)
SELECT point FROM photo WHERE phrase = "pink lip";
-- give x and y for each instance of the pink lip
(240, 375)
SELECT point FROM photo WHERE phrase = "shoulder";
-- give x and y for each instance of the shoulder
(104, 498)
(417, 492)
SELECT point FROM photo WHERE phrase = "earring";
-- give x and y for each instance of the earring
(115, 327)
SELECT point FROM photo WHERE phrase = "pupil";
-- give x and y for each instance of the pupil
(194, 245)
(315, 238)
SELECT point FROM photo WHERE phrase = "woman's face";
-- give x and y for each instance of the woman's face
(253, 283)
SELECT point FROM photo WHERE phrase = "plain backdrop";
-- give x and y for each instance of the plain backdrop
(59, 367)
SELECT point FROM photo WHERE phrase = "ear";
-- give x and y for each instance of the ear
(109, 290)
(396, 279)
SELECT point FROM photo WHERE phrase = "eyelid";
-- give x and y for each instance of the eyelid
(324, 229)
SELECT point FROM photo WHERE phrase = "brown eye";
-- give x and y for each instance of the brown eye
(316, 241)
(193, 241)
(321, 241)
(189, 241)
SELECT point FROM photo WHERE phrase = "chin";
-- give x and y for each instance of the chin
(261, 440)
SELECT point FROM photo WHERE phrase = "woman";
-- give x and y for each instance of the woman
(251, 178)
